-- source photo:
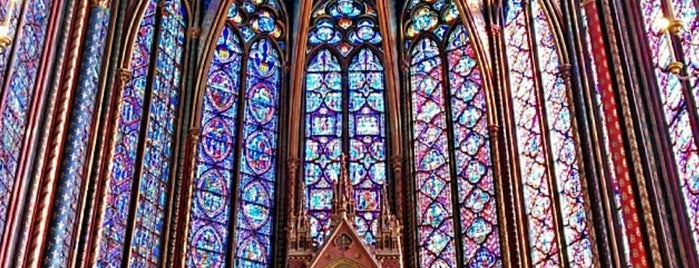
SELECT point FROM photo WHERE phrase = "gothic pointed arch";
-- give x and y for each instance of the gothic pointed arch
(232, 211)
(555, 205)
(452, 162)
(345, 110)
(130, 227)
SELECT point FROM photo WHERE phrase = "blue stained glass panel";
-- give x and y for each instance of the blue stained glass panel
(146, 246)
(449, 100)
(211, 204)
(367, 140)
(351, 96)
(435, 218)
(323, 138)
(120, 178)
(474, 167)
(251, 87)
(258, 157)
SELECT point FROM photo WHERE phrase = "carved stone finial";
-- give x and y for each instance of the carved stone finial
(388, 236)
(300, 239)
(343, 199)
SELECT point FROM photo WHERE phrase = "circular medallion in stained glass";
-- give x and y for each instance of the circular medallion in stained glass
(220, 98)
(346, 8)
(262, 104)
(209, 239)
(259, 151)
(264, 23)
(424, 20)
(256, 204)
(212, 197)
(252, 250)
(217, 141)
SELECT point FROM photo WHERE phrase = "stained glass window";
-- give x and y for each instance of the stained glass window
(679, 98)
(146, 115)
(548, 152)
(452, 163)
(344, 113)
(238, 150)
(10, 13)
(17, 90)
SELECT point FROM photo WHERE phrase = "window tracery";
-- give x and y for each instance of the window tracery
(236, 172)
(452, 160)
(548, 152)
(345, 112)
(142, 161)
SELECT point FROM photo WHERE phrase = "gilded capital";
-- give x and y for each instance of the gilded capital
(193, 32)
(194, 134)
(104, 4)
(494, 131)
(397, 162)
(292, 164)
(496, 30)
(565, 70)
(124, 76)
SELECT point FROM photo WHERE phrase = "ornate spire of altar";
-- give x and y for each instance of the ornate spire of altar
(301, 249)
(388, 243)
(343, 195)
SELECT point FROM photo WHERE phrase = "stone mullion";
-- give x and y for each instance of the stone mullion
(187, 189)
(186, 162)
(119, 76)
